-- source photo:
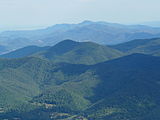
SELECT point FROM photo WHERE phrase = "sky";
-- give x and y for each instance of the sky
(40, 13)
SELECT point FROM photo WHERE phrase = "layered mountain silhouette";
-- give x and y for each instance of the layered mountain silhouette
(99, 32)
(80, 52)
(75, 80)
(145, 46)
(24, 52)
(69, 51)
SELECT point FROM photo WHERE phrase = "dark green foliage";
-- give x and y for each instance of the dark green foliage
(61, 48)
(129, 88)
(69, 51)
(63, 100)
(123, 88)
(80, 52)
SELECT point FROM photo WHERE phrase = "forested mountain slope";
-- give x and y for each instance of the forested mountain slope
(145, 46)
(69, 51)
(123, 88)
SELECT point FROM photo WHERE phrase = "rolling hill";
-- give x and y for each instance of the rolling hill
(123, 88)
(69, 51)
(80, 52)
(145, 46)
(24, 52)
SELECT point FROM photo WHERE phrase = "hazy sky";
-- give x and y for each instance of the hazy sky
(23, 13)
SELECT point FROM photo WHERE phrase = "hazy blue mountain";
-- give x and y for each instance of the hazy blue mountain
(24, 52)
(152, 23)
(13, 43)
(106, 33)
(145, 46)
(99, 32)
(123, 88)
(2, 49)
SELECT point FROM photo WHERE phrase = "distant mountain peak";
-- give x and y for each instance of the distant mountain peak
(87, 22)
(67, 41)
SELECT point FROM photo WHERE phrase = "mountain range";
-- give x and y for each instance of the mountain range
(68, 51)
(145, 46)
(152, 23)
(99, 32)
(24, 52)
(105, 83)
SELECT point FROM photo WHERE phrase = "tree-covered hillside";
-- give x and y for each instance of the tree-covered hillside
(123, 88)
(145, 46)
(80, 52)
(69, 51)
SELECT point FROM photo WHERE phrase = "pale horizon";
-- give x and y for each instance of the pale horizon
(29, 14)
